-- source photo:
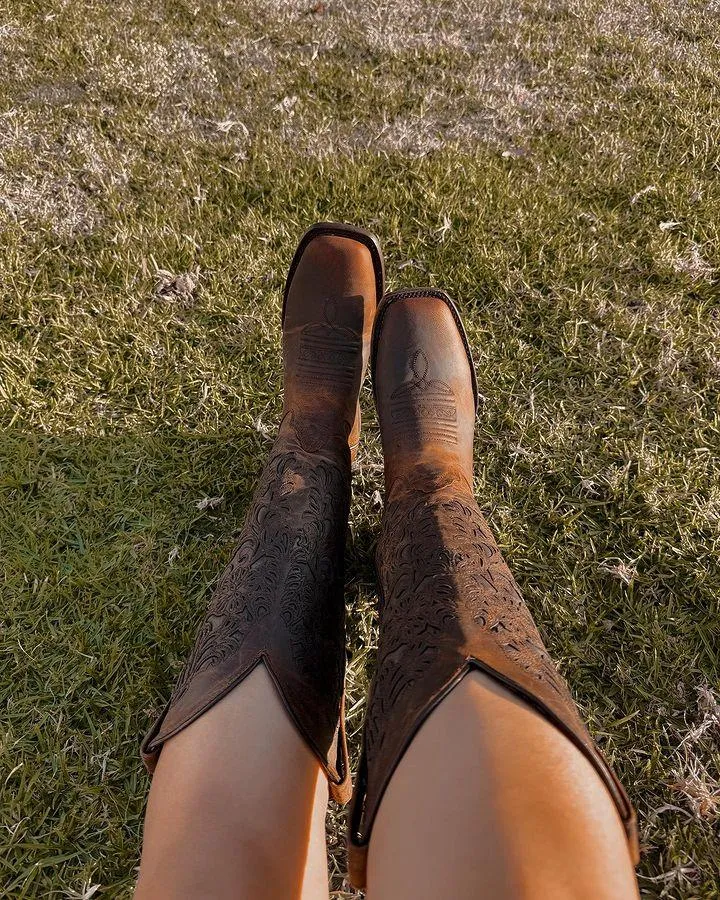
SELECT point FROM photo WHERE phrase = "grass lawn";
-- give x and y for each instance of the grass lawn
(554, 165)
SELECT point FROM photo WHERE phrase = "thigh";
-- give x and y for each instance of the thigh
(491, 801)
(237, 806)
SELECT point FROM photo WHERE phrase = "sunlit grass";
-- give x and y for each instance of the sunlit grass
(557, 173)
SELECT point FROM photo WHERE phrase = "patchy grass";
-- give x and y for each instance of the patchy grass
(555, 166)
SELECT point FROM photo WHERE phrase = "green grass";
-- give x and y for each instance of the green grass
(554, 166)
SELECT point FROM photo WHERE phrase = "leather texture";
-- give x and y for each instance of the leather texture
(449, 603)
(280, 600)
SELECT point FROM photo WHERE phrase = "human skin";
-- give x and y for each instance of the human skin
(492, 802)
(237, 806)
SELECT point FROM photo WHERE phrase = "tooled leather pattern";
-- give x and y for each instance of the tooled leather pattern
(423, 407)
(444, 586)
(286, 574)
(320, 433)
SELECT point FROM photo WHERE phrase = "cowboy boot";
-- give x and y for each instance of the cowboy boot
(449, 603)
(280, 600)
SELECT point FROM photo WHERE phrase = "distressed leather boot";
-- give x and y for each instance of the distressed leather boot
(280, 600)
(448, 602)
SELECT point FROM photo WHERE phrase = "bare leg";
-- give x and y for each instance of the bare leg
(492, 801)
(237, 806)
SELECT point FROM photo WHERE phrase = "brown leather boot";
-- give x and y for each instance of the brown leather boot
(280, 600)
(448, 600)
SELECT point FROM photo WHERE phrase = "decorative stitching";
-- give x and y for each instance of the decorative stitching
(423, 408)
(330, 352)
